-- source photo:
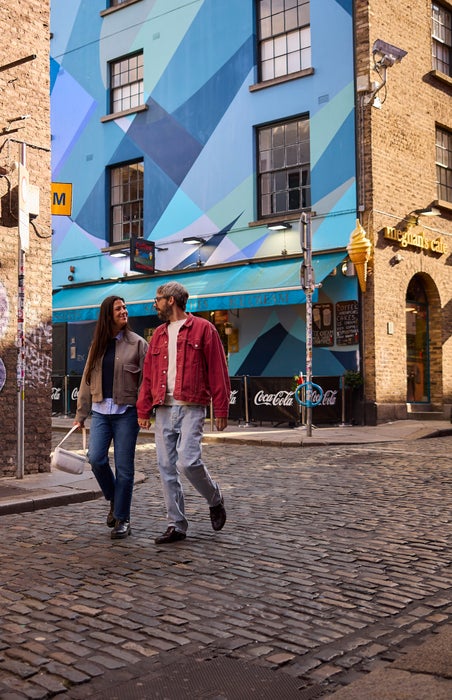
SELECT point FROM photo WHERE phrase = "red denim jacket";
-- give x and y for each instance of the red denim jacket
(201, 369)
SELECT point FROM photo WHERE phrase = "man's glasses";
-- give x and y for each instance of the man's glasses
(157, 299)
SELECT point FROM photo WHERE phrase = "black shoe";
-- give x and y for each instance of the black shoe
(111, 520)
(171, 535)
(121, 530)
(218, 515)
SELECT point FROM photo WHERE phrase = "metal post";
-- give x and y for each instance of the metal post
(21, 337)
(307, 282)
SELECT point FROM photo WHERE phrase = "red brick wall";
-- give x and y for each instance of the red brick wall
(24, 27)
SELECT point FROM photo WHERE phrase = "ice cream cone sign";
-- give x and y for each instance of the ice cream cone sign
(359, 251)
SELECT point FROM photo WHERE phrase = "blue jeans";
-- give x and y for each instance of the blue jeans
(123, 430)
(178, 435)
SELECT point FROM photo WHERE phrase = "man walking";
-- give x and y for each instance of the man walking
(184, 369)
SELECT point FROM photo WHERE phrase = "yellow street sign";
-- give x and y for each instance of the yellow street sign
(61, 193)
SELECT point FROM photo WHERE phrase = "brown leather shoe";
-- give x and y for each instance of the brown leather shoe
(171, 535)
(111, 520)
(218, 515)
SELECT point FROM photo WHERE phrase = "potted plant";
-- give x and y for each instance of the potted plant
(353, 382)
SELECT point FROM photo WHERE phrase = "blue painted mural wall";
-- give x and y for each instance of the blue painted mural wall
(198, 143)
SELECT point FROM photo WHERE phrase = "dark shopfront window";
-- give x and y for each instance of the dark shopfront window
(284, 182)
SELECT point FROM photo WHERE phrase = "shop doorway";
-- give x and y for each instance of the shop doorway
(417, 342)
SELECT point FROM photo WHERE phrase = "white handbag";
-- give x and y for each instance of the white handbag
(67, 461)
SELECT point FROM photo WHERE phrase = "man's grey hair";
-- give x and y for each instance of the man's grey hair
(176, 290)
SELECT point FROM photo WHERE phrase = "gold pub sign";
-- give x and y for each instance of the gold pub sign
(418, 240)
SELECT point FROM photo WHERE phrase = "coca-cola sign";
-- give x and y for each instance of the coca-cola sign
(280, 398)
(329, 409)
(58, 406)
(236, 399)
(272, 399)
(73, 387)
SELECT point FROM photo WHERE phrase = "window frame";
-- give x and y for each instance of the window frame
(126, 105)
(135, 225)
(443, 145)
(441, 45)
(281, 39)
(284, 177)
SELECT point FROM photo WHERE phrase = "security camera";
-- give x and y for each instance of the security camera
(389, 54)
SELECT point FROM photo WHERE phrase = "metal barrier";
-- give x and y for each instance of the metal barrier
(252, 399)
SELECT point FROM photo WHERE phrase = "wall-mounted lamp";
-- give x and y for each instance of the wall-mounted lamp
(348, 269)
(428, 211)
(279, 226)
(120, 253)
(194, 240)
(413, 217)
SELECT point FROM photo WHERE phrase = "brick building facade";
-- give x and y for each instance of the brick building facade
(403, 111)
(25, 375)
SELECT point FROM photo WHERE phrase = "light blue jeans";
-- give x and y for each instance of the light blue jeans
(178, 435)
(123, 430)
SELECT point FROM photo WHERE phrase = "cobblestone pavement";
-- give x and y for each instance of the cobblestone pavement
(332, 560)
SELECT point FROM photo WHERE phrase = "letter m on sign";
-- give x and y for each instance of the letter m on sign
(61, 198)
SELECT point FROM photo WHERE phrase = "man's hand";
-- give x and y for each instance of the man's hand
(221, 423)
(144, 423)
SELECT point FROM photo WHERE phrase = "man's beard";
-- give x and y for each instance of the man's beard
(163, 314)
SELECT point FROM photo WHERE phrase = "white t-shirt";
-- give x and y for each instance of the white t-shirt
(173, 330)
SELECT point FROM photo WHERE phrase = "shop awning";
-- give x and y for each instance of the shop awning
(255, 284)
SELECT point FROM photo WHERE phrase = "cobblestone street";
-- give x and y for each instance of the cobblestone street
(332, 559)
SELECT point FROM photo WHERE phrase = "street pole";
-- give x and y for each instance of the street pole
(307, 282)
(22, 247)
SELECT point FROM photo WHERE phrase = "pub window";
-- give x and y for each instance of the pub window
(444, 164)
(284, 182)
(442, 39)
(284, 36)
(126, 201)
(126, 83)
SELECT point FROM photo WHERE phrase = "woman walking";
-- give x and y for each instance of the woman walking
(109, 388)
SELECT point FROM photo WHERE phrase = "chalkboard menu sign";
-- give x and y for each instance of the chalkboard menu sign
(322, 325)
(347, 326)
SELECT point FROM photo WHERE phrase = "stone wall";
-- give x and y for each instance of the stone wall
(25, 89)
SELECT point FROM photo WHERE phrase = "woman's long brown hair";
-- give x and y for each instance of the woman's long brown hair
(103, 332)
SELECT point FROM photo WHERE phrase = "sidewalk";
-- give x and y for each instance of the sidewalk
(417, 672)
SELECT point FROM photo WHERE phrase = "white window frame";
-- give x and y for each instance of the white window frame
(444, 164)
(284, 35)
(126, 201)
(442, 39)
(127, 83)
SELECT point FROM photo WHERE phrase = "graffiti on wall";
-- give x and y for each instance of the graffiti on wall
(38, 341)
(38, 359)
(4, 319)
